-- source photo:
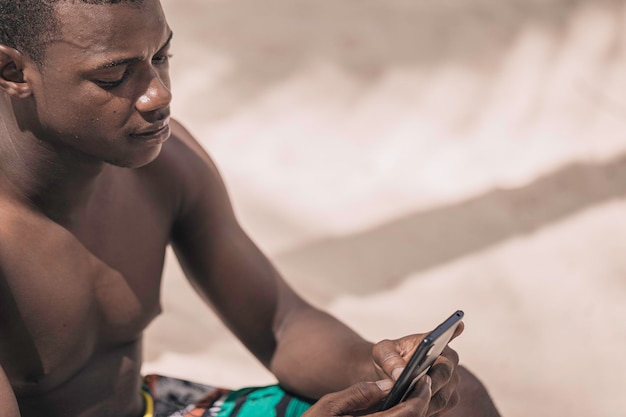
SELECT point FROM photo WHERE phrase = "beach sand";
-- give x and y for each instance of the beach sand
(402, 159)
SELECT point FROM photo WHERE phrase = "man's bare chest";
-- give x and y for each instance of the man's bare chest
(69, 294)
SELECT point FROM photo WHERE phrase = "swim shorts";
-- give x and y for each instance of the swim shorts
(171, 397)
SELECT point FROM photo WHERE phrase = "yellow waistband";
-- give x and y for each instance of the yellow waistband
(149, 404)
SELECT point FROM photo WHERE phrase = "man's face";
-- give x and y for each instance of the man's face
(104, 87)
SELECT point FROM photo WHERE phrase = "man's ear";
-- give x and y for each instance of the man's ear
(12, 73)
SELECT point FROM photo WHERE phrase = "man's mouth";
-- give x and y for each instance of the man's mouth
(158, 132)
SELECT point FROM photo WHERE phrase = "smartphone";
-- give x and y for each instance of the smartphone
(426, 353)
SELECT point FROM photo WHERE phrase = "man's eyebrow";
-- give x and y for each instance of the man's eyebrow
(167, 42)
(132, 60)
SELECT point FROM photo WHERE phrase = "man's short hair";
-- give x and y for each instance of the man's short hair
(28, 25)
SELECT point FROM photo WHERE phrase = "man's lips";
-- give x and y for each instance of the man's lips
(152, 131)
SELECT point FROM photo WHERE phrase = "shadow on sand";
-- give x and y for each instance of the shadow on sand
(382, 257)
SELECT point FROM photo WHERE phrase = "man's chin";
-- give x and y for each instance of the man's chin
(137, 161)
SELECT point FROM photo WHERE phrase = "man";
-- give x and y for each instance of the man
(95, 182)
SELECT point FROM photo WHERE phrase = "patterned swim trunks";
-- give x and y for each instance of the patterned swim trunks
(171, 397)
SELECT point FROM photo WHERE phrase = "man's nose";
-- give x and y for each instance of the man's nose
(156, 96)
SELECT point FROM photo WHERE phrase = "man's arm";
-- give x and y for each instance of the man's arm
(309, 351)
(8, 403)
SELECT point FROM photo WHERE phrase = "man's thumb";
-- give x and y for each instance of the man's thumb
(360, 396)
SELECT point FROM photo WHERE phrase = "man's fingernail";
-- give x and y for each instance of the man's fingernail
(428, 381)
(395, 374)
(384, 384)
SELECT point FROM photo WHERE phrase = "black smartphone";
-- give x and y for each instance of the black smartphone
(426, 353)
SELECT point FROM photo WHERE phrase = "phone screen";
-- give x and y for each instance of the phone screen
(425, 355)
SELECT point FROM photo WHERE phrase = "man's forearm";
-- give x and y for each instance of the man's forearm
(317, 354)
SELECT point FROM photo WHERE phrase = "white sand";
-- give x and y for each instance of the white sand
(400, 159)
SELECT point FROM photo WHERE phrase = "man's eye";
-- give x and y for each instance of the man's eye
(108, 85)
(161, 59)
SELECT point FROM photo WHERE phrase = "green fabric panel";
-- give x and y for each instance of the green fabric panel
(262, 402)
(297, 407)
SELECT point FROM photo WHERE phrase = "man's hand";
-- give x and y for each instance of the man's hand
(363, 396)
(391, 356)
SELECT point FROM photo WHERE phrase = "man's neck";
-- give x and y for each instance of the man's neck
(55, 181)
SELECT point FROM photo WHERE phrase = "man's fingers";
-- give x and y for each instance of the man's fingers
(366, 395)
(416, 406)
(355, 398)
(446, 398)
(443, 368)
(388, 358)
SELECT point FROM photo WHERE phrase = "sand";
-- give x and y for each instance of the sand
(402, 159)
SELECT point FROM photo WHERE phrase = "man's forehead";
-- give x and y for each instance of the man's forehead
(105, 27)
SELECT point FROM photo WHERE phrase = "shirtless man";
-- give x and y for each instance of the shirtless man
(95, 182)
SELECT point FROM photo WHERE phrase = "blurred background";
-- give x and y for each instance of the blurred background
(401, 159)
